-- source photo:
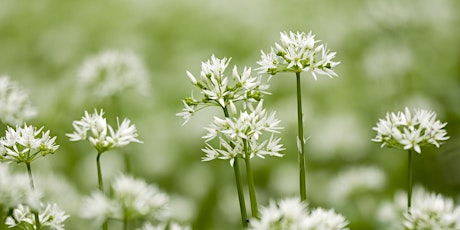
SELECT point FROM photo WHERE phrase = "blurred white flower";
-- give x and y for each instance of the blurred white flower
(355, 181)
(297, 53)
(428, 211)
(99, 208)
(111, 72)
(102, 140)
(15, 189)
(23, 144)
(163, 226)
(221, 90)
(49, 215)
(291, 213)
(241, 135)
(15, 105)
(410, 131)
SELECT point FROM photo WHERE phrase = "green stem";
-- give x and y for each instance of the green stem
(99, 172)
(239, 185)
(300, 140)
(2, 217)
(409, 189)
(125, 223)
(32, 186)
(252, 191)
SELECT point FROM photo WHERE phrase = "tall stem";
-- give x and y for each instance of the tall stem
(239, 185)
(31, 180)
(300, 141)
(409, 187)
(252, 191)
(100, 181)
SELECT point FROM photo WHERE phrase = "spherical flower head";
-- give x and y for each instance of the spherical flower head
(15, 105)
(101, 135)
(242, 135)
(49, 215)
(112, 72)
(410, 131)
(26, 143)
(321, 218)
(298, 52)
(219, 89)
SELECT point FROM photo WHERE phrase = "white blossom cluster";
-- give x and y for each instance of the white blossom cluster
(101, 135)
(50, 217)
(163, 226)
(428, 211)
(15, 105)
(131, 199)
(111, 72)
(241, 135)
(15, 190)
(26, 143)
(410, 131)
(218, 89)
(291, 214)
(298, 52)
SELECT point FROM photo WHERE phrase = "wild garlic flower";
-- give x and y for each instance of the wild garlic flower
(131, 198)
(49, 215)
(298, 52)
(111, 72)
(26, 143)
(15, 189)
(15, 105)
(101, 135)
(291, 213)
(164, 226)
(410, 131)
(218, 89)
(241, 135)
(429, 211)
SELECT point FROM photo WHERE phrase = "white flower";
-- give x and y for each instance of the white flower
(24, 144)
(101, 135)
(221, 90)
(49, 216)
(291, 213)
(297, 53)
(15, 189)
(410, 131)
(163, 226)
(241, 135)
(15, 105)
(111, 72)
(99, 208)
(53, 217)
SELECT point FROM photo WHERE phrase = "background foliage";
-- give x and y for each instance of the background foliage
(393, 54)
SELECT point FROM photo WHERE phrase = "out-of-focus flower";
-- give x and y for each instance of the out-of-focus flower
(101, 135)
(15, 189)
(111, 72)
(429, 211)
(239, 136)
(15, 105)
(23, 144)
(131, 199)
(291, 213)
(49, 215)
(218, 89)
(163, 226)
(297, 53)
(410, 131)
(355, 181)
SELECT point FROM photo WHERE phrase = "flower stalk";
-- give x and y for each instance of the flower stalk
(302, 171)
(410, 182)
(250, 178)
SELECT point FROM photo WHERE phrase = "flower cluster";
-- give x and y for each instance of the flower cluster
(132, 199)
(240, 135)
(111, 72)
(429, 211)
(297, 53)
(101, 135)
(162, 226)
(410, 131)
(291, 213)
(26, 143)
(221, 90)
(15, 106)
(49, 215)
(15, 190)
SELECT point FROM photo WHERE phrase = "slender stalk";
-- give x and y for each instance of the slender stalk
(252, 191)
(300, 140)
(32, 186)
(239, 186)
(409, 187)
(2, 217)
(100, 181)
(125, 223)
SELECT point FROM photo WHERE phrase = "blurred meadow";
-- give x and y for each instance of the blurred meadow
(393, 54)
